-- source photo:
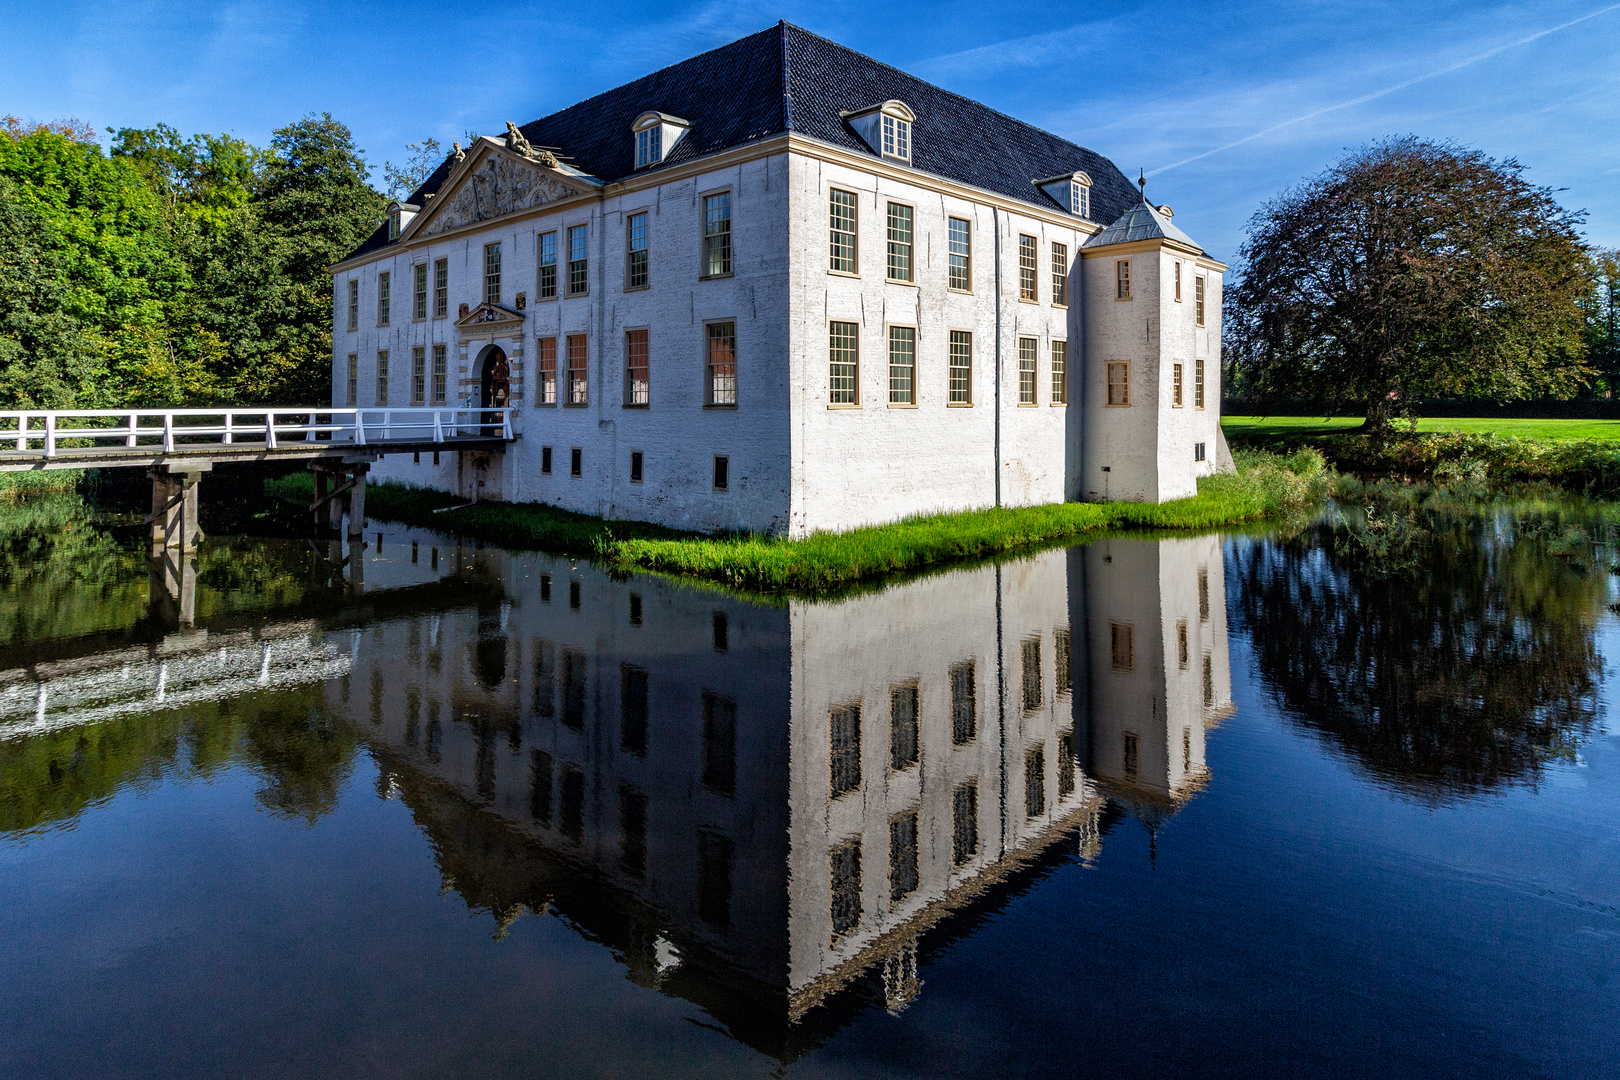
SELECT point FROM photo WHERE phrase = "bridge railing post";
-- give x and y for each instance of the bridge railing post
(168, 433)
(22, 431)
(130, 433)
(270, 430)
(50, 435)
(506, 423)
(438, 427)
(359, 428)
(229, 435)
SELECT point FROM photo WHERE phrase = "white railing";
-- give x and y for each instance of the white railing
(171, 430)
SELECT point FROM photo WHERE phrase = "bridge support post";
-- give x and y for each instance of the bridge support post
(340, 486)
(174, 506)
(357, 501)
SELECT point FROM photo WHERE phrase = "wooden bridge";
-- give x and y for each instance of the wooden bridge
(176, 446)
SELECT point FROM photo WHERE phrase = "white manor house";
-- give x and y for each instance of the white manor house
(782, 287)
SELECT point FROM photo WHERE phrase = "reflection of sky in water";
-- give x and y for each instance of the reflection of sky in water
(525, 796)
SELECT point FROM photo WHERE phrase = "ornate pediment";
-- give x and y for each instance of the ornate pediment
(495, 320)
(492, 182)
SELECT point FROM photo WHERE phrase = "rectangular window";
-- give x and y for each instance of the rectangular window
(545, 467)
(1027, 347)
(1175, 386)
(635, 248)
(1178, 283)
(717, 235)
(384, 286)
(1119, 383)
(352, 397)
(1182, 649)
(492, 273)
(1060, 372)
(635, 368)
(578, 381)
(964, 823)
(632, 830)
(898, 266)
(441, 375)
(896, 137)
(960, 242)
(843, 363)
(441, 288)
(1122, 646)
(545, 387)
(964, 704)
(636, 461)
(1122, 280)
(903, 726)
(1062, 661)
(844, 735)
(1065, 756)
(845, 872)
(719, 744)
(902, 855)
(722, 473)
(1198, 451)
(649, 146)
(1030, 654)
(419, 293)
(633, 709)
(841, 231)
(1028, 285)
(1209, 681)
(1203, 594)
(1132, 754)
(1035, 782)
(573, 676)
(419, 375)
(546, 287)
(1198, 299)
(961, 372)
(579, 264)
(354, 303)
(1198, 384)
(1080, 199)
(902, 365)
(1060, 275)
(576, 462)
(714, 879)
(721, 361)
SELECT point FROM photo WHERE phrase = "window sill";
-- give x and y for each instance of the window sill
(899, 281)
(902, 405)
(1060, 307)
(1029, 404)
(576, 405)
(637, 288)
(642, 405)
(545, 299)
(1027, 300)
(579, 295)
(959, 404)
(1124, 406)
(545, 404)
(959, 292)
(1122, 299)
(419, 318)
(844, 273)
(1060, 404)
(716, 277)
(722, 408)
(844, 406)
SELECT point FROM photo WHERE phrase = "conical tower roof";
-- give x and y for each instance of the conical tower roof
(1142, 222)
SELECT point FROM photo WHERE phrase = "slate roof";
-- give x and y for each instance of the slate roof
(788, 79)
(1140, 222)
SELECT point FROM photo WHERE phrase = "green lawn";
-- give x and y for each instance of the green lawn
(1265, 429)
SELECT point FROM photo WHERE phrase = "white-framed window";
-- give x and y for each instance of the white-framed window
(1198, 384)
(579, 264)
(1060, 372)
(843, 363)
(635, 251)
(354, 303)
(636, 362)
(441, 288)
(896, 137)
(1119, 384)
(1175, 386)
(717, 234)
(1122, 279)
(418, 375)
(649, 146)
(1198, 299)
(1060, 275)
(419, 291)
(492, 273)
(384, 287)
(545, 387)
(382, 377)
(960, 389)
(1028, 274)
(352, 381)
(1178, 282)
(841, 232)
(959, 241)
(1079, 198)
(441, 375)
(899, 258)
(902, 365)
(546, 261)
(578, 372)
(1028, 350)
(720, 362)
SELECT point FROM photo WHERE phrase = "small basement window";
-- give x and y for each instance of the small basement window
(722, 473)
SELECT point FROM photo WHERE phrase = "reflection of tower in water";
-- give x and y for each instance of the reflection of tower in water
(771, 810)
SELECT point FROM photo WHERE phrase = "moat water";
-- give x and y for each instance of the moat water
(1339, 798)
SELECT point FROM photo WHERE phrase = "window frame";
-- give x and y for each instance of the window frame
(1080, 199)
(1198, 299)
(1033, 397)
(888, 349)
(726, 237)
(385, 297)
(649, 145)
(630, 401)
(419, 379)
(584, 400)
(855, 388)
(540, 380)
(541, 290)
(721, 470)
(854, 233)
(889, 243)
(1108, 385)
(638, 474)
(381, 371)
(439, 374)
(1178, 281)
(354, 305)
(630, 252)
(1176, 393)
(950, 256)
(709, 397)
(492, 282)
(1122, 279)
(950, 368)
(441, 288)
(1058, 255)
(895, 130)
(584, 264)
(419, 292)
(1198, 383)
(1059, 371)
(351, 380)
(1030, 274)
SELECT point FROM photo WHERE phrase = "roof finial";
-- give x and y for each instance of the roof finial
(1141, 182)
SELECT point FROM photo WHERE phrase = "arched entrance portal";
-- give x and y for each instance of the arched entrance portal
(495, 383)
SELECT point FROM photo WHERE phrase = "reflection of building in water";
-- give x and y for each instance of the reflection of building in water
(1157, 657)
(756, 805)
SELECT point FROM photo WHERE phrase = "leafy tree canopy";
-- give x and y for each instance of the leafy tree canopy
(1411, 269)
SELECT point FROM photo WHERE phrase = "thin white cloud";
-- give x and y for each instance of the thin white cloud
(1486, 55)
(1033, 50)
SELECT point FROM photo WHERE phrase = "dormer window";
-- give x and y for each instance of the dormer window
(1072, 191)
(1079, 199)
(886, 128)
(656, 134)
(393, 223)
(399, 218)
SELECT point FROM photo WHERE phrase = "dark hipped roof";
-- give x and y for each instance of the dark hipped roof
(787, 79)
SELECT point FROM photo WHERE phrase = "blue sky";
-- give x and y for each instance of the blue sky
(1225, 105)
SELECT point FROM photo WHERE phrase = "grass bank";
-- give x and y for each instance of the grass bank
(1266, 485)
(22, 485)
(1449, 452)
